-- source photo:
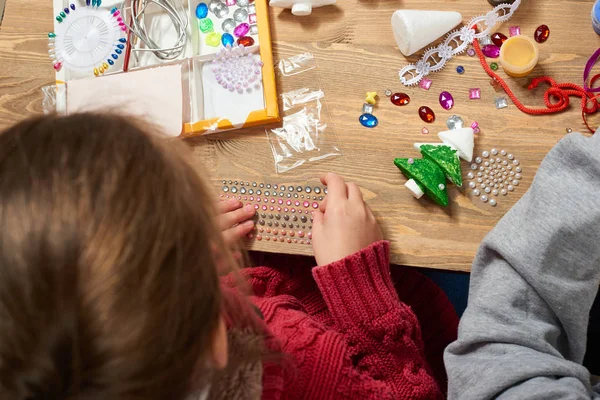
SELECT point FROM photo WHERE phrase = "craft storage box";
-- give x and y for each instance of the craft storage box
(206, 107)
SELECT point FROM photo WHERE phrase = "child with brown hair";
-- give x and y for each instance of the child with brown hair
(111, 253)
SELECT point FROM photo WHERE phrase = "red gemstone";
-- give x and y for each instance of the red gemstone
(426, 114)
(498, 39)
(542, 33)
(245, 41)
(400, 99)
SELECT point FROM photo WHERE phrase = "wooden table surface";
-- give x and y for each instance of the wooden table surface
(356, 53)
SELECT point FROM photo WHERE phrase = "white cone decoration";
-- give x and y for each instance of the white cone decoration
(463, 140)
(415, 29)
(301, 7)
(414, 188)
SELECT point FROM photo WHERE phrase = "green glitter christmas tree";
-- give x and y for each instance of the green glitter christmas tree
(426, 174)
(446, 158)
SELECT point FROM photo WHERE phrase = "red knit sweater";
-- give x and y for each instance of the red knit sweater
(349, 334)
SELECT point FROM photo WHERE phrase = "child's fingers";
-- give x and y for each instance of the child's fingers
(231, 218)
(232, 235)
(228, 205)
(336, 187)
(318, 217)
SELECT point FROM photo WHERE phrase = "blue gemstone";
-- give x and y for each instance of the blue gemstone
(114, 10)
(99, 3)
(121, 46)
(67, 11)
(123, 40)
(460, 69)
(73, 7)
(116, 57)
(368, 120)
(87, 2)
(227, 39)
(93, 3)
(111, 62)
(201, 11)
(118, 51)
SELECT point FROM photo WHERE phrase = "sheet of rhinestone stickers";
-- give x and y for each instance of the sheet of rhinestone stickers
(284, 213)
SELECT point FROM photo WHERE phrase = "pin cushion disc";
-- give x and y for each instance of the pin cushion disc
(86, 38)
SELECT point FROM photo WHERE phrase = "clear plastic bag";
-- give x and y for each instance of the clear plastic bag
(305, 134)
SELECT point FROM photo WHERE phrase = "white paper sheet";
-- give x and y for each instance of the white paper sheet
(153, 94)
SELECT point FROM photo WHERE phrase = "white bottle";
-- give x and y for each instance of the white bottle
(301, 7)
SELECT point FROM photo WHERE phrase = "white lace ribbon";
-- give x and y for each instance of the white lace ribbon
(434, 59)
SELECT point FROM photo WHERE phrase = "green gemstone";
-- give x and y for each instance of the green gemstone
(59, 18)
(52, 35)
(494, 66)
(62, 14)
(206, 25)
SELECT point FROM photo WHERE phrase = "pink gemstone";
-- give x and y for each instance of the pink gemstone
(241, 29)
(117, 13)
(251, 198)
(315, 205)
(474, 125)
(289, 240)
(446, 100)
(491, 51)
(289, 202)
(280, 201)
(297, 203)
(471, 52)
(474, 93)
(309, 235)
(272, 208)
(306, 204)
(286, 209)
(252, 18)
(57, 66)
(424, 131)
(230, 3)
(278, 208)
(264, 208)
(283, 232)
(259, 237)
(425, 83)
(281, 239)
(266, 200)
(258, 199)
(514, 31)
(300, 234)
(476, 130)
(292, 233)
(267, 238)
(293, 210)
(256, 206)
(272, 200)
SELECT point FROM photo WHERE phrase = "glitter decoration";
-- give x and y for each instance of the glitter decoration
(501, 102)
(454, 122)
(446, 159)
(368, 108)
(514, 31)
(474, 93)
(427, 175)
(460, 69)
(494, 67)
(425, 84)
(238, 70)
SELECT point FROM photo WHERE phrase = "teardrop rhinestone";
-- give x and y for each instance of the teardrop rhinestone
(498, 39)
(491, 51)
(542, 33)
(426, 114)
(446, 100)
(400, 99)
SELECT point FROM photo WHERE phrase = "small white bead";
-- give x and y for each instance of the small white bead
(515, 182)
(470, 175)
(472, 185)
(484, 198)
(518, 169)
(487, 190)
(503, 152)
(511, 173)
(485, 154)
(492, 161)
(476, 192)
(495, 192)
(493, 203)
(503, 192)
(510, 188)
(480, 174)
(518, 176)
(473, 166)
(494, 151)
(479, 180)
(482, 186)
(516, 162)
(478, 160)
(486, 164)
(504, 163)
(441, 186)
(481, 168)
(510, 156)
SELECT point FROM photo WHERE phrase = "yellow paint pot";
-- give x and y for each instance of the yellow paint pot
(519, 55)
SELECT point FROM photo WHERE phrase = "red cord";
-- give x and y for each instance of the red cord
(559, 92)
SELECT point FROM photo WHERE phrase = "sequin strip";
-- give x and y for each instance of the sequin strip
(434, 59)
(283, 212)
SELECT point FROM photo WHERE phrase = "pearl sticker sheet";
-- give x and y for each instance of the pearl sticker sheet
(284, 212)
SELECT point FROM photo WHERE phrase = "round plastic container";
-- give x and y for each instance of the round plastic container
(519, 55)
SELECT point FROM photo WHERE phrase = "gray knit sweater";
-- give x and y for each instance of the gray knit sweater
(523, 335)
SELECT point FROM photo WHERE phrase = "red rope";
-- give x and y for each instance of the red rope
(559, 92)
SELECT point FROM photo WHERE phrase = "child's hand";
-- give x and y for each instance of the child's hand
(234, 220)
(344, 224)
